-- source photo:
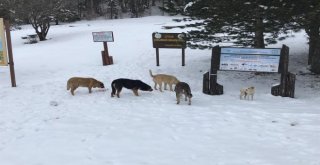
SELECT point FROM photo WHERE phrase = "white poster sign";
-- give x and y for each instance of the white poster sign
(106, 36)
(246, 59)
(3, 45)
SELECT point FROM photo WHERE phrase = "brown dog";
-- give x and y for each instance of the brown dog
(183, 88)
(75, 82)
(163, 78)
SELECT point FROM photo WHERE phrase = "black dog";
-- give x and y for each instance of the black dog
(134, 85)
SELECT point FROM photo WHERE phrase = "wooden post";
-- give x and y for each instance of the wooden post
(210, 78)
(206, 87)
(291, 79)
(287, 82)
(106, 59)
(215, 88)
(157, 56)
(105, 46)
(284, 72)
(10, 54)
(183, 57)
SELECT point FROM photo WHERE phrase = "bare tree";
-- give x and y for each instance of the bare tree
(39, 14)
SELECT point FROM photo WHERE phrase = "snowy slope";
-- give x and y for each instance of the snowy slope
(150, 129)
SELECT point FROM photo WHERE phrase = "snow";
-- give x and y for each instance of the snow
(190, 4)
(41, 123)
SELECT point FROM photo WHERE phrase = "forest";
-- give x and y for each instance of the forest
(242, 22)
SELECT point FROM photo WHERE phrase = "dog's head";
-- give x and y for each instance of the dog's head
(98, 84)
(101, 85)
(145, 87)
(252, 89)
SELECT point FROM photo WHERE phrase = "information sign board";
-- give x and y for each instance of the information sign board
(169, 40)
(3, 45)
(247, 59)
(105, 36)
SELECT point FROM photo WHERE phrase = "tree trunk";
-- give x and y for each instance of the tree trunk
(42, 34)
(111, 9)
(314, 48)
(315, 63)
(90, 9)
(258, 36)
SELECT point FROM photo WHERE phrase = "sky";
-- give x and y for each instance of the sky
(41, 123)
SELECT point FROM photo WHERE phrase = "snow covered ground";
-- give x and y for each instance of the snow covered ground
(41, 123)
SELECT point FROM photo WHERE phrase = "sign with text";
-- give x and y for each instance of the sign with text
(169, 40)
(248, 59)
(105, 36)
(3, 45)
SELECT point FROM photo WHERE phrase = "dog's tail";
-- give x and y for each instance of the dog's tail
(68, 86)
(113, 89)
(151, 73)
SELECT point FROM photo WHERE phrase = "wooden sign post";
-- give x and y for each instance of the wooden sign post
(106, 36)
(6, 49)
(287, 83)
(169, 40)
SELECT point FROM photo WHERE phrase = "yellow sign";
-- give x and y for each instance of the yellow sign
(3, 45)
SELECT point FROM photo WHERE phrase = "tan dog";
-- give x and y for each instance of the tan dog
(75, 82)
(183, 88)
(163, 78)
(245, 93)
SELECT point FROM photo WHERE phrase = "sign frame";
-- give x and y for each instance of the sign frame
(3, 45)
(287, 84)
(169, 40)
(103, 36)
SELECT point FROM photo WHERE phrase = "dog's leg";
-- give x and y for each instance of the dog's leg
(155, 86)
(118, 92)
(170, 87)
(185, 97)
(90, 89)
(72, 90)
(160, 86)
(178, 98)
(165, 86)
(189, 100)
(113, 92)
(135, 92)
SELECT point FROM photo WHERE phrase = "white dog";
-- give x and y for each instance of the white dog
(247, 92)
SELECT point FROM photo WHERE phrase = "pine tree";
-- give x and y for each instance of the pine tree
(170, 7)
(174, 7)
(242, 22)
(307, 15)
